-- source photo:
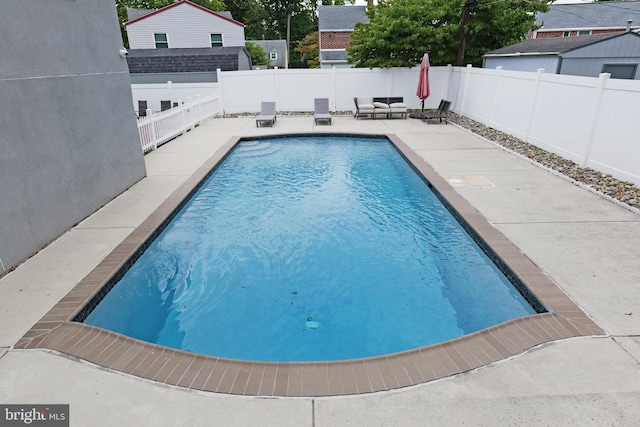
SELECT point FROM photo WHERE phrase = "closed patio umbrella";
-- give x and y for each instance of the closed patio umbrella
(424, 90)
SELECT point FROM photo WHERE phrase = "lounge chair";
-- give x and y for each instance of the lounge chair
(440, 113)
(267, 113)
(321, 110)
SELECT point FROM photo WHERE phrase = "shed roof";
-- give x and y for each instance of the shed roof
(142, 61)
(553, 45)
(341, 17)
(269, 45)
(136, 15)
(333, 55)
(605, 14)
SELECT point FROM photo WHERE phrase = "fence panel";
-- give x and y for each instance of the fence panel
(157, 128)
(588, 120)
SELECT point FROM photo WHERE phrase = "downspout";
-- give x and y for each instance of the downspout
(559, 67)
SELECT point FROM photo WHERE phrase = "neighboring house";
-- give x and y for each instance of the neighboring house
(581, 19)
(182, 25)
(276, 53)
(615, 53)
(183, 43)
(335, 25)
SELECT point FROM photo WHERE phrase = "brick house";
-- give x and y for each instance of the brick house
(335, 25)
(582, 19)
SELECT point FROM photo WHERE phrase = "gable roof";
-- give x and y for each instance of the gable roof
(553, 45)
(279, 46)
(185, 60)
(137, 13)
(269, 45)
(333, 55)
(145, 13)
(340, 17)
(606, 14)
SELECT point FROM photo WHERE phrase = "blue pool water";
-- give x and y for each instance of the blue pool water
(310, 248)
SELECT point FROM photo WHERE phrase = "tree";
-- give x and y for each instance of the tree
(309, 50)
(494, 24)
(291, 20)
(257, 53)
(252, 14)
(401, 31)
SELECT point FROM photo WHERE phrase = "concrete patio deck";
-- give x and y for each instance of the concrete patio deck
(587, 245)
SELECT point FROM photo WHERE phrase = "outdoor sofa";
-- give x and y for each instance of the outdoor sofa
(373, 106)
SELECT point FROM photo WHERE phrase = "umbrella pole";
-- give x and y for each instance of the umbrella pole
(422, 106)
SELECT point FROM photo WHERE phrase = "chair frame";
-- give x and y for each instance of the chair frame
(441, 113)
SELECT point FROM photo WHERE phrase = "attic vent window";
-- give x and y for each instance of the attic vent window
(216, 40)
(161, 40)
(273, 55)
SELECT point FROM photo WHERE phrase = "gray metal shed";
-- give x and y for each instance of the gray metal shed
(615, 53)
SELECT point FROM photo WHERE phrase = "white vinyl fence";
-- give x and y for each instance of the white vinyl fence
(157, 128)
(592, 121)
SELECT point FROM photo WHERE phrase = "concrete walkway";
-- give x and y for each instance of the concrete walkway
(587, 245)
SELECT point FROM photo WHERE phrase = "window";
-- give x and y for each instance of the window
(216, 40)
(621, 71)
(273, 55)
(161, 40)
(566, 34)
(584, 33)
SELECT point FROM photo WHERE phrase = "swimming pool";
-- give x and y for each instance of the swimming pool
(310, 248)
(59, 331)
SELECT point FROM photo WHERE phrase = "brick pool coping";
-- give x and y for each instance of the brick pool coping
(57, 331)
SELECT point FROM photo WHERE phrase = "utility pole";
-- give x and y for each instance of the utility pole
(288, 36)
(466, 13)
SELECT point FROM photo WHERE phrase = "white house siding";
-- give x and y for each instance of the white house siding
(186, 26)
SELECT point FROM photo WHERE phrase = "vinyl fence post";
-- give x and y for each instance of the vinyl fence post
(533, 104)
(597, 105)
(199, 103)
(184, 122)
(152, 128)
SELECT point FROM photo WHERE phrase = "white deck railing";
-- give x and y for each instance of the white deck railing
(157, 128)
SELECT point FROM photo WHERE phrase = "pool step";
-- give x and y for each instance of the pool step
(256, 148)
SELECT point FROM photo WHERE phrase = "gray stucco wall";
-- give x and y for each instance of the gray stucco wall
(68, 140)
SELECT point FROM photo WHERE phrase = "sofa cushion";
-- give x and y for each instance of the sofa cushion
(381, 105)
(366, 107)
(398, 105)
(364, 100)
